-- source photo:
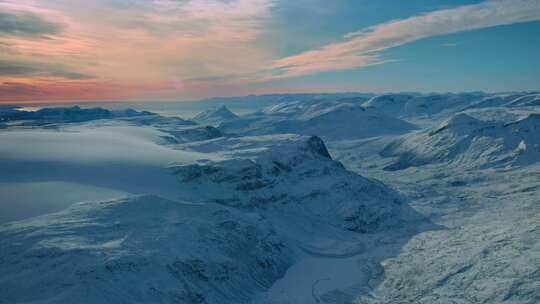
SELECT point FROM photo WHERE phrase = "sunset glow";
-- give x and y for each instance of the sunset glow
(177, 50)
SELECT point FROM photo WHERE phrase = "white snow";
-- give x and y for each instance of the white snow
(90, 161)
(215, 116)
(465, 141)
(329, 120)
(410, 198)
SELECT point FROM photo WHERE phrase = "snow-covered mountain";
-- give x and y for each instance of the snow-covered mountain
(66, 115)
(251, 210)
(178, 129)
(289, 172)
(413, 105)
(315, 198)
(528, 100)
(392, 104)
(140, 250)
(328, 119)
(266, 100)
(471, 142)
(507, 100)
(410, 105)
(215, 116)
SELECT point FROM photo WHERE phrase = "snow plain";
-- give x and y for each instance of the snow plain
(408, 198)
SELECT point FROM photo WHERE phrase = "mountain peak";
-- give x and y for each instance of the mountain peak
(317, 145)
(292, 174)
(215, 116)
(532, 121)
(461, 119)
(459, 123)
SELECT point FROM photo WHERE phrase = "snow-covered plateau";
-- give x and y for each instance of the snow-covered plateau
(394, 198)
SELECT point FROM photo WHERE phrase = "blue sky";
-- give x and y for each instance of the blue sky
(318, 22)
(502, 58)
(179, 50)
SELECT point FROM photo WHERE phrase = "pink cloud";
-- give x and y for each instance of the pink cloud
(145, 42)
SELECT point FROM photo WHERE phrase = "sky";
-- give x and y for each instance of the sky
(145, 50)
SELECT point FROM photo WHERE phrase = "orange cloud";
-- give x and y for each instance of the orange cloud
(138, 44)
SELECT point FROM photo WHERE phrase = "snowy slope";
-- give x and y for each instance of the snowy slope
(215, 116)
(391, 104)
(45, 170)
(329, 120)
(140, 250)
(257, 207)
(528, 100)
(410, 105)
(507, 100)
(471, 142)
(178, 130)
(293, 173)
(424, 105)
(247, 214)
(66, 115)
(488, 249)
